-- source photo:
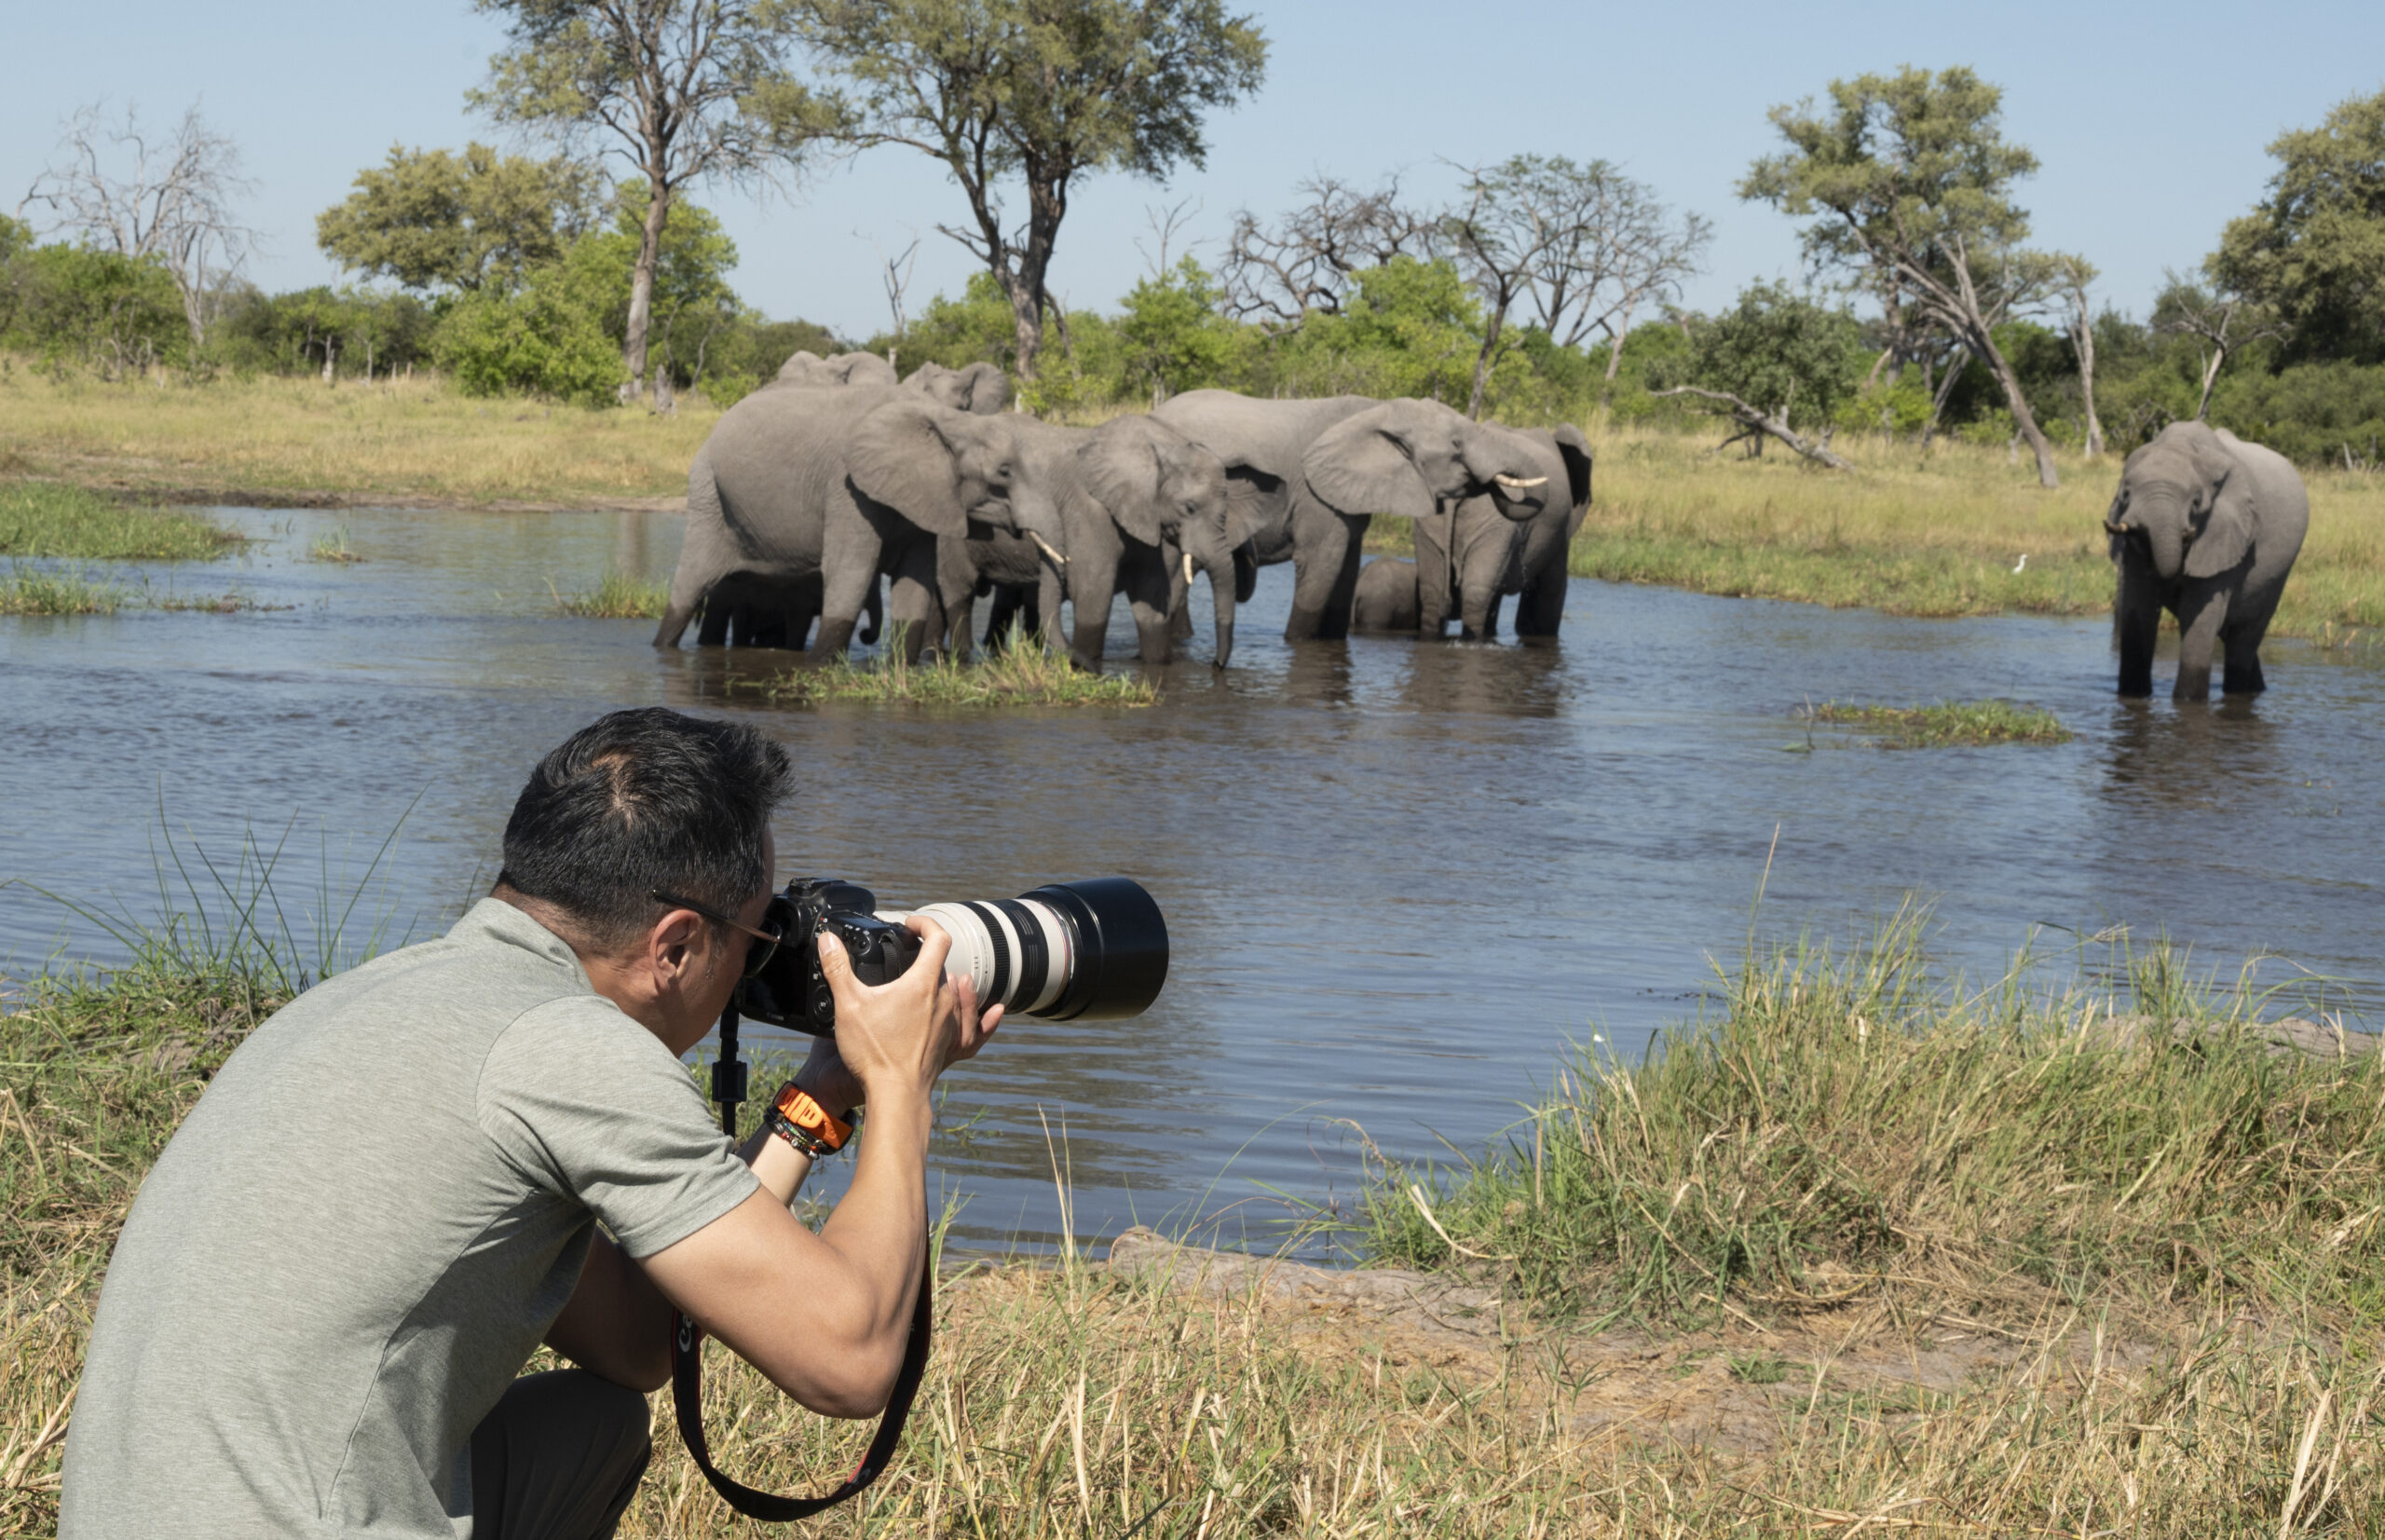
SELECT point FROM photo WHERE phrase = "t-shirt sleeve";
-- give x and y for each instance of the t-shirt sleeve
(586, 1102)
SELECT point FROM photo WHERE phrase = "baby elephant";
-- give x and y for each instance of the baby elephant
(2205, 526)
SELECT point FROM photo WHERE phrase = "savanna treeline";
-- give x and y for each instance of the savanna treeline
(1544, 287)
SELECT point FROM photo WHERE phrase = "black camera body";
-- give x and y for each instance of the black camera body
(791, 991)
(1090, 949)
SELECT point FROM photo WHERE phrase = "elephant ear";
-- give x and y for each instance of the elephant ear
(900, 457)
(2226, 535)
(1121, 469)
(986, 389)
(1359, 467)
(1574, 449)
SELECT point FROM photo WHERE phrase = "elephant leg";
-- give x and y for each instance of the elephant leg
(1153, 586)
(1328, 549)
(1092, 593)
(706, 556)
(714, 623)
(999, 616)
(2248, 622)
(873, 610)
(1542, 604)
(842, 596)
(2136, 618)
(2202, 616)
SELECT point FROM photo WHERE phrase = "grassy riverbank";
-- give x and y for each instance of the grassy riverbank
(1935, 533)
(1954, 1265)
(282, 439)
(1946, 724)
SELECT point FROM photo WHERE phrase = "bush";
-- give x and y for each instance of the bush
(550, 339)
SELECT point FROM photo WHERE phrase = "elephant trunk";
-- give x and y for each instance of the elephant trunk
(1206, 551)
(1221, 586)
(2165, 534)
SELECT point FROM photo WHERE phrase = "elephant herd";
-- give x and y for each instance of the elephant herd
(837, 475)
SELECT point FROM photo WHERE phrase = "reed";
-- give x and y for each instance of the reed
(65, 591)
(616, 597)
(1945, 724)
(1022, 673)
(53, 519)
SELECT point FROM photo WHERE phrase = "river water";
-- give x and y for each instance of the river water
(1398, 879)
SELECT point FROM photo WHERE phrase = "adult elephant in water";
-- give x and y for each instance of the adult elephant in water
(1154, 511)
(847, 486)
(1310, 474)
(1471, 555)
(2205, 526)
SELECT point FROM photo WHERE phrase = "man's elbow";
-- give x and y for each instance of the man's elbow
(856, 1384)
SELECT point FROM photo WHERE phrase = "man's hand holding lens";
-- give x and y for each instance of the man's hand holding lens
(895, 1040)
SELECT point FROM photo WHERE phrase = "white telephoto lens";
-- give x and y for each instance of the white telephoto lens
(1018, 953)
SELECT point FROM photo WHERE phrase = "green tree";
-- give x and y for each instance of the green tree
(2314, 250)
(1777, 364)
(434, 219)
(1911, 177)
(1411, 328)
(1044, 91)
(1176, 338)
(682, 89)
(548, 340)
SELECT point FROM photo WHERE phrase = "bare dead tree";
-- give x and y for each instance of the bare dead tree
(1500, 235)
(1277, 274)
(175, 204)
(1755, 424)
(897, 279)
(1613, 249)
(2072, 275)
(2220, 325)
(1166, 224)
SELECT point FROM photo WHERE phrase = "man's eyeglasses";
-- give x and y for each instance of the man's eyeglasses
(756, 957)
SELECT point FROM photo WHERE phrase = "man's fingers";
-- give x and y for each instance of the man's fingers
(935, 943)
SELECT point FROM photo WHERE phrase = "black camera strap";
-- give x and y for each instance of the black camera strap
(687, 1358)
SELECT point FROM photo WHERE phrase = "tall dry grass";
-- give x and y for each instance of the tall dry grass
(1924, 532)
(407, 438)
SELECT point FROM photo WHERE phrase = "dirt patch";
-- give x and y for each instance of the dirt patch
(1732, 1391)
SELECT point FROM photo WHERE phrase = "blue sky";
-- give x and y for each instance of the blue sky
(2151, 122)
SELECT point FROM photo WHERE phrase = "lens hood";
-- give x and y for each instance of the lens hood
(1120, 947)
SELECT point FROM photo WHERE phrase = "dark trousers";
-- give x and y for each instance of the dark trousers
(559, 1459)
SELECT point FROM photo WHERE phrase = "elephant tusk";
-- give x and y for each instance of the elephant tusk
(1519, 483)
(1045, 546)
(1188, 569)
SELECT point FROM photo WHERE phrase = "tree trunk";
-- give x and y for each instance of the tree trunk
(649, 252)
(2210, 377)
(2022, 419)
(1483, 361)
(1614, 354)
(2086, 345)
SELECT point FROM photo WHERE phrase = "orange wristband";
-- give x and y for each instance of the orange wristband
(803, 1122)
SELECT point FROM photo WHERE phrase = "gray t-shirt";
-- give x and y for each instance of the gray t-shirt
(362, 1231)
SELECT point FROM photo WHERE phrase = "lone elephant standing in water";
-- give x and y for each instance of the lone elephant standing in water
(2205, 526)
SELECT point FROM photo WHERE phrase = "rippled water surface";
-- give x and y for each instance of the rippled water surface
(1397, 878)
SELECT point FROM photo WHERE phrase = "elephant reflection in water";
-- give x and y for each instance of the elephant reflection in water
(2203, 760)
(1456, 681)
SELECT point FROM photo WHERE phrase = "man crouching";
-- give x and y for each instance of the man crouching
(392, 1193)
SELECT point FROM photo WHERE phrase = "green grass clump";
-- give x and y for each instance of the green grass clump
(332, 548)
(212, 604)
(1947, 724)
(1024, 673)
(1850, 1129)
(616, 597)
(31, 590)
(51, 519)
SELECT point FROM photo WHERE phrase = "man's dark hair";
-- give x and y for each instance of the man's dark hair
(644, 799)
